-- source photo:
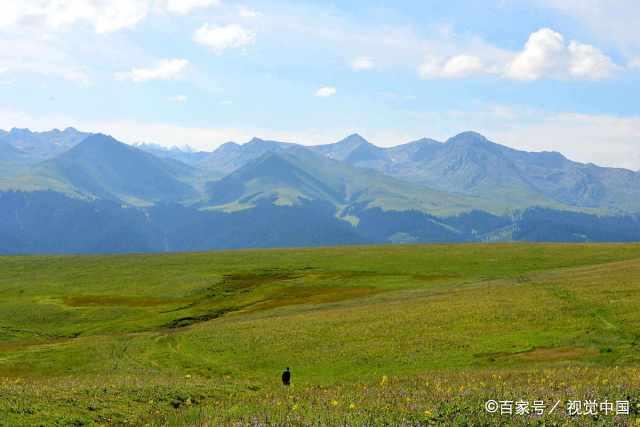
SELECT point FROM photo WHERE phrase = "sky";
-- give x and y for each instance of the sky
(561, 75)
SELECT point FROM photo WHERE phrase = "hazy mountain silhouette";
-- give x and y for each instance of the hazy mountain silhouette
(104, 168)
(469, 164)
(33, 147)
(100, 195)
(231, 156)
(294, 174)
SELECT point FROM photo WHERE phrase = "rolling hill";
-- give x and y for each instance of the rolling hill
(467, 164)
(268, 193)
(230, 156)
(296, 173)
(101, 167)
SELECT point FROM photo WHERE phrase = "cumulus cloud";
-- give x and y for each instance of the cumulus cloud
(221, 38)
(455, 67)
(610, 20)
(588, 62)
(543, 52)
(545, 55)
(104, 16)
(166, 69)
(326, 91)
(462, 66)
(184, 7)
(362, 63)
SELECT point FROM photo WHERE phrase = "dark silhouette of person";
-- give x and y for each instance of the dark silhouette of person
(286, 377)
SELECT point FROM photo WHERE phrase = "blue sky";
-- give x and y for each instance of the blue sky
(558, 75)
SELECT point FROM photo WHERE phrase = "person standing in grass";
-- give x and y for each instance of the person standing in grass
(286, 377)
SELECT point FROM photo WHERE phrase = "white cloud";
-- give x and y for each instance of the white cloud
(220, 38)
(178, 99)
(588, 62)
(614, 21)
(362, 63)
(104, 16)
(184, 7)
(455, 67)
(22, 56)
(634, 63)
(166, 69)
(247, 12)
(545, 55)
(462, 66)
(326, 91)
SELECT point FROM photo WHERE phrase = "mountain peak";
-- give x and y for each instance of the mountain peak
(104, 167)
(423, 140)
(353, 139)
(100, 138)
(227, 147)
(259, 142)
(20, 131)
(468, 137)
(98, 146)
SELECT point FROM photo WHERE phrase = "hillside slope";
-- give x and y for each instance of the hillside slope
(102, 167)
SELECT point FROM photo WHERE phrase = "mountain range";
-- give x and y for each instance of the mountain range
(157, 199)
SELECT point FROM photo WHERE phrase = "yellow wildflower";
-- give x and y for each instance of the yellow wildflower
(334, 403)
(352, 406)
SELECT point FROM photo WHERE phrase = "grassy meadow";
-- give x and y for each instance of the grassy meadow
(376, 335)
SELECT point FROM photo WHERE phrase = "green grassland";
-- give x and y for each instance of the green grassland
(376, 335)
